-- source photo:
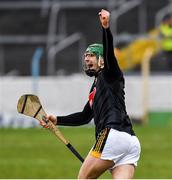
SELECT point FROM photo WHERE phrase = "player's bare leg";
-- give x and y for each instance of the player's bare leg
(125, 171)
(93, 167)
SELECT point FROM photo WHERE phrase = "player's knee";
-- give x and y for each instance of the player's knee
(87, 175)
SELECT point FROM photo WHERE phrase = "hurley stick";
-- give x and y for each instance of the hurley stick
(30, 105)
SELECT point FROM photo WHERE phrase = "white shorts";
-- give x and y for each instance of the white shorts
(120, 147)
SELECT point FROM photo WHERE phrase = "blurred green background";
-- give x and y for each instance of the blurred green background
(37, 153)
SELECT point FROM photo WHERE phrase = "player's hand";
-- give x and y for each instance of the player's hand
(46, 119)
(104, 17)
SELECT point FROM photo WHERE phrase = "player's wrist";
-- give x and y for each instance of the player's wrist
(56, 121)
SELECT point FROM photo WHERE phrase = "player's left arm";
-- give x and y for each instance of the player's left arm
(76, 119)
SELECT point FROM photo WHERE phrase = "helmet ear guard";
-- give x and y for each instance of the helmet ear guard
(101, 62)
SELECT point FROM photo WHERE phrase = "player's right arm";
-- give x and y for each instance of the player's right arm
(110, 61)
(75, 119)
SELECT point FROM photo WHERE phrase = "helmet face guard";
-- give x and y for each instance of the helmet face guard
(97, 50)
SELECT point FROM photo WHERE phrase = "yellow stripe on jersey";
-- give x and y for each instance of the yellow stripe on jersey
(99, 141)
(98, 147)
(96, 154)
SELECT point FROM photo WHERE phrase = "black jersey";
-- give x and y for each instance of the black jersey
(106, 102)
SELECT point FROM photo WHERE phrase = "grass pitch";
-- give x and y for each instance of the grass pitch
(37, 153)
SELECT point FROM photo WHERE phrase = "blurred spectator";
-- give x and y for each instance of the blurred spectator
(166, 43)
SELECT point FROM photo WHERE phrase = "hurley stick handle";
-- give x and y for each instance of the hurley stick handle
(57, 132)
(60, 136)
(74, 151)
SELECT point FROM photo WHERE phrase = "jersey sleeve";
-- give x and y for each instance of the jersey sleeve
(110, 61)
(76, 119)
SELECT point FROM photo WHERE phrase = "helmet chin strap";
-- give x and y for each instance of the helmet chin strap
(91, 72)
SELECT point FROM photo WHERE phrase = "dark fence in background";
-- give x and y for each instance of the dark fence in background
(15, 58)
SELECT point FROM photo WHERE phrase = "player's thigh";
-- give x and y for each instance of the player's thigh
(94, 167)
(125, 171)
